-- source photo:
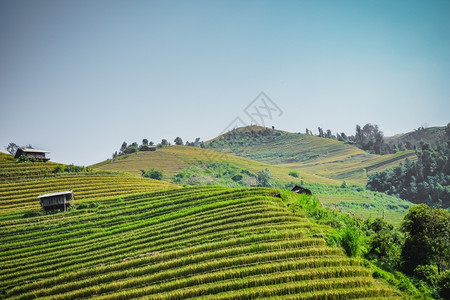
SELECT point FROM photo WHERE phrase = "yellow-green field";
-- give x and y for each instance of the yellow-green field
(21, 183)
(353, 169)
(172, 160)
(152, 240)
(365, 207)
(326, 158)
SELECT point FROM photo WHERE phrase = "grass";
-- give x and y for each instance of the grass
(321, 157)
(194, 168)
(173, 160)
(147, 238)
(362, 203)
(192, 242)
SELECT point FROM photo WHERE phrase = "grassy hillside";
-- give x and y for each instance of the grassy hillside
(362, 203)
(322, 157)
(206, 243)
(172, 160)
(432, 135)
(195, 165)
(21, 183)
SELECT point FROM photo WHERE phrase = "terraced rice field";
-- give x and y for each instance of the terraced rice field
(204, 243)
(21, 183)
(153, 240)
(172, 160)
(326, 159)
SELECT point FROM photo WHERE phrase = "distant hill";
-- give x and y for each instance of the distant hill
(194, 162)
(172, 160)
(432, 135)
(322, 157)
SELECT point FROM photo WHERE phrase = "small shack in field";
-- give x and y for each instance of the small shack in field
(301, 190)
(148, 148)
(56, 201)
(32, 153)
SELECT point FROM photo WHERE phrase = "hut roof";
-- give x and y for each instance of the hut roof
(55, 194)
(34, 150)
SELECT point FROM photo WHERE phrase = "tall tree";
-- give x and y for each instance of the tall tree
(12, 148)
(320, 132)
(427, 238)
(263, 178)
(123, 147)
(164, 143)
(178, 141)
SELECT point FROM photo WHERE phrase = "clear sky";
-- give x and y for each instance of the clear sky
(78, 78)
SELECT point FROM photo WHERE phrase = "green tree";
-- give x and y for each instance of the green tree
(178, 141)
(263, 178)
(384, 241)
(164, 143)
(427, 238)
(123, 147)
(131, 148)
(152, 173)
(12, 148)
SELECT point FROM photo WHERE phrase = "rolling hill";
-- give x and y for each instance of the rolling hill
(151, 239)
(317, 156)
(175, 159)
(172, 160)
(21, 183)
(432, 135)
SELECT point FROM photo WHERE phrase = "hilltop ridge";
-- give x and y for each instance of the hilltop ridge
(322, 157)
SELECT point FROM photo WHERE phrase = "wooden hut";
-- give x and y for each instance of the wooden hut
(32, 153)
(54, 201)
(301, 190)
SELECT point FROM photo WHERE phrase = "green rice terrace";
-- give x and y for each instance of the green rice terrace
(130, 237)
(324, 158)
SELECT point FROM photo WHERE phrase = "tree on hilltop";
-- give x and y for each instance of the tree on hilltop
(164, 143)
(12, 148)
(178, 141)
(123, 147)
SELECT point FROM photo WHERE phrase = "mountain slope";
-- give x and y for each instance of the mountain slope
(21, 183)
(432, 135)
(175, 159)
(207, 243)
(171, 160)
(322, 157)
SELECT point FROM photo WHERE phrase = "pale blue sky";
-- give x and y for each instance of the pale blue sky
(80, 77)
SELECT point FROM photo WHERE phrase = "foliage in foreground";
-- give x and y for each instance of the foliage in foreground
(423, 253)
(207, 242)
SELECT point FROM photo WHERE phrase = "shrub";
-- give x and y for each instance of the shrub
(237, 177)
(152, 173)
(263, 178)
(352, 241)
(293, 174)
(30, 214)
(58, 169)
(444, 285)
(83, 205)
(427, 273)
